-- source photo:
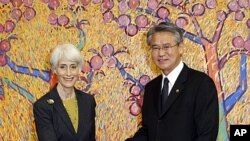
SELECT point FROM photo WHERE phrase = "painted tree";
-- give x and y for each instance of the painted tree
(189, 11)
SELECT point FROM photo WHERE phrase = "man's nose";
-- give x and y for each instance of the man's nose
(161, 52)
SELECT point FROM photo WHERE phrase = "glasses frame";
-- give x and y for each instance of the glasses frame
(157, 48)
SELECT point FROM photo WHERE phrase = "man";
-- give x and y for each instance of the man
(181, 104)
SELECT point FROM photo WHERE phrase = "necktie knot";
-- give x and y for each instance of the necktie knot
(166, 81)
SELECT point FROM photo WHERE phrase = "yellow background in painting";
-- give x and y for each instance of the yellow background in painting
(36, 38)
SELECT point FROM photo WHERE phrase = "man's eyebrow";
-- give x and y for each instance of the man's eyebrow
(161, 44)
(166, 44)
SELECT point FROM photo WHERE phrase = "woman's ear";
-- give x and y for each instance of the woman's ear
(80, 76)
(80, 70)
(54, 71)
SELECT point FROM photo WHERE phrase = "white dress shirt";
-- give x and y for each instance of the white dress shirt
(172, 76)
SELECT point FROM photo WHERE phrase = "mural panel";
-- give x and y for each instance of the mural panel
(117, 66)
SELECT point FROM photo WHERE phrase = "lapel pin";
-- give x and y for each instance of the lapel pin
(50, 101)
(177, 91)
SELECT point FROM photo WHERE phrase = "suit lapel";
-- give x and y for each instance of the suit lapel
(80, 103)
(156, 91)
(176, 90)
(58, 106)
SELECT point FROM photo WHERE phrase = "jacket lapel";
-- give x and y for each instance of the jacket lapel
(81, 112)
(58, 106)
(156, 91)
(176, 90)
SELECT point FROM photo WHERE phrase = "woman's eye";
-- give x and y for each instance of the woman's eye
(73, 67)
(62, 67)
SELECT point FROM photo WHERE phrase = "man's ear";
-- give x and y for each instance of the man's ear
(181, 48)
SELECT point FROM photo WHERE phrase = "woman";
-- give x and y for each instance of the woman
(65, 113)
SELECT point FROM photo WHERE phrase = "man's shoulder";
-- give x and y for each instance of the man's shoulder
(153, 81)
(197, 74)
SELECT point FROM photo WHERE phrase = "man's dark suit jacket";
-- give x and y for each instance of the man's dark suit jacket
(53, 122)
(190, 113)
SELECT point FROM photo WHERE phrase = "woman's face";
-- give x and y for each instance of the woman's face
(67, 72)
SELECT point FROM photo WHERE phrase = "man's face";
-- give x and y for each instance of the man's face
(67, 73)
(166, 53)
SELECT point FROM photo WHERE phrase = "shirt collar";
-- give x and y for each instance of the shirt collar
(172, 76)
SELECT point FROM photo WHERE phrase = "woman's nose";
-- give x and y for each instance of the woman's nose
(68, 71)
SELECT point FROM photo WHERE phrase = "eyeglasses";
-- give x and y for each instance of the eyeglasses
(165, 47)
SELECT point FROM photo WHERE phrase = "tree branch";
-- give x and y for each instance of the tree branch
(229, 55)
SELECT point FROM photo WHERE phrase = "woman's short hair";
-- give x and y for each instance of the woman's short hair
(67, 51)
(165, 27)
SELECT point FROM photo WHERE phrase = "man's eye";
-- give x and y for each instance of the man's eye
(166, 46)
(73, 67)
(155, 47)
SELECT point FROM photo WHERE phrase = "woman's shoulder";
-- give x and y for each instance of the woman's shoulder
(43, 99)
(84, 95)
